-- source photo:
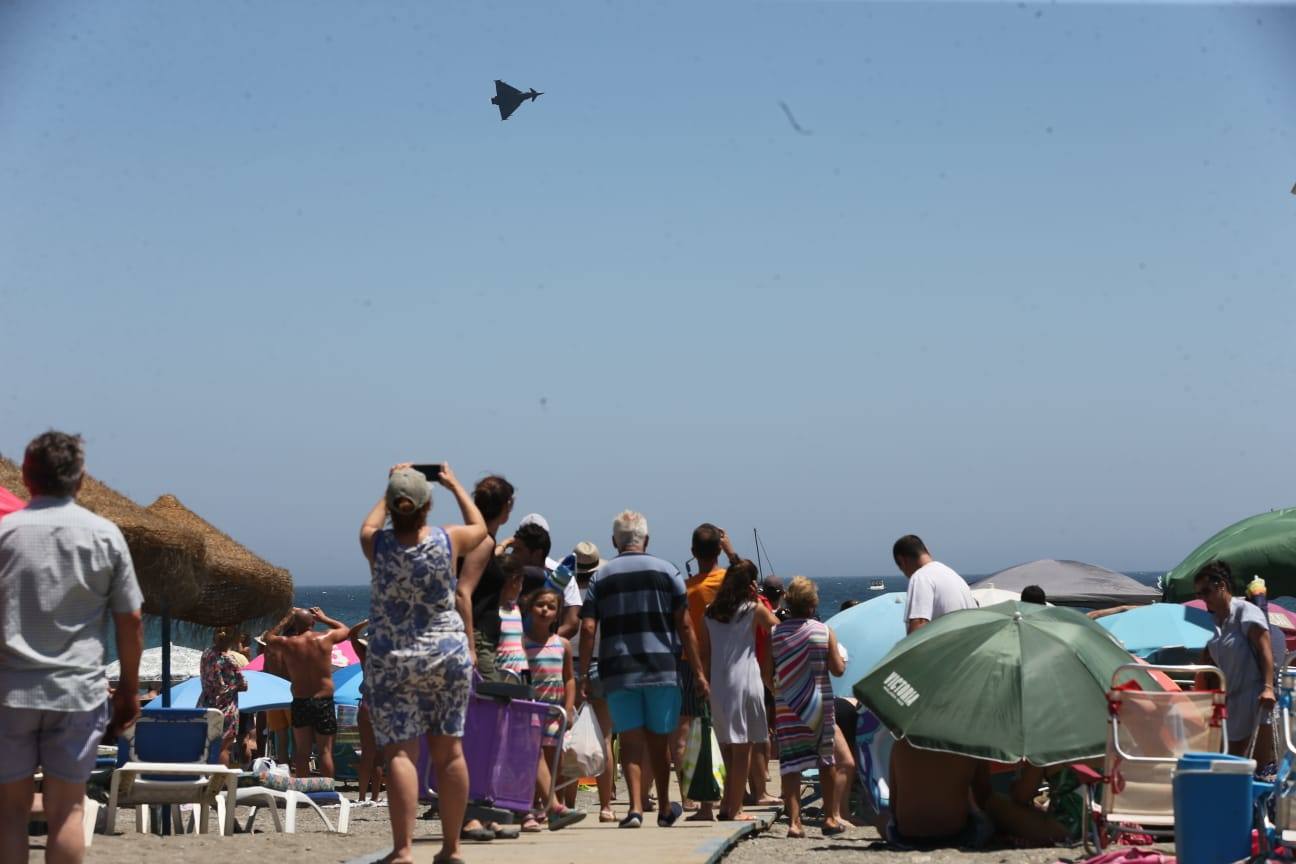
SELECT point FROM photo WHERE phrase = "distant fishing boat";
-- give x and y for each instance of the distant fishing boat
(877, 585)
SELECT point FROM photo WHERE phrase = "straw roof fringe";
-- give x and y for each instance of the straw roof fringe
(168, 557)
(238, 586)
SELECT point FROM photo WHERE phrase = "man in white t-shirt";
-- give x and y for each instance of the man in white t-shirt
(934, 589)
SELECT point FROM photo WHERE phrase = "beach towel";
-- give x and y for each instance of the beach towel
(1129, 856)
(872, 762)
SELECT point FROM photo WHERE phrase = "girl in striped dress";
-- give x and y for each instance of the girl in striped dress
(548, 657)
(509, 654)
(804, 654)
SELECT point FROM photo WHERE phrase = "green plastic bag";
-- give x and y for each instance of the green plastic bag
(704, 771)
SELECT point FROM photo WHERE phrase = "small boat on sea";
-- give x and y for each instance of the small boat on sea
(877, 585)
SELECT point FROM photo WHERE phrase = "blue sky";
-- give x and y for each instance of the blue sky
(1026, 290)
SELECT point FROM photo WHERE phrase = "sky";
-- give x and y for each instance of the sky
(1021, 284)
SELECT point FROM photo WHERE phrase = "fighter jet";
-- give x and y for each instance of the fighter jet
(509, 98)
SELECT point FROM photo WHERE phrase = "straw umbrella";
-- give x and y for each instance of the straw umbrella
(238, 585)
(168, 557)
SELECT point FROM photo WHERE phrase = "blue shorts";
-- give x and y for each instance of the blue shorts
(656, 709)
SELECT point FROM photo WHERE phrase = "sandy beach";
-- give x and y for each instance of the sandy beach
(369, 837)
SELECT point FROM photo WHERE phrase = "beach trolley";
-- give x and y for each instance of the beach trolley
(1147, 733)
(501, 744)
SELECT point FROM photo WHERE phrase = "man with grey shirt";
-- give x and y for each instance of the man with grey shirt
(63, 573)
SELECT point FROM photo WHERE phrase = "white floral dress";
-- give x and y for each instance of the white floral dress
(417, 674)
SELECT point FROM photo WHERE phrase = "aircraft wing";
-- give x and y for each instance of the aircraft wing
(504, 91)
(508, 106)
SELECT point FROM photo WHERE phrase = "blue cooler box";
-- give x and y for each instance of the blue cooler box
(1212, 806)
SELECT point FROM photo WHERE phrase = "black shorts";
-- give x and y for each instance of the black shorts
(317, 713)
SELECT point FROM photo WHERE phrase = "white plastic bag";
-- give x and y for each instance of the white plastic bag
(583, 754)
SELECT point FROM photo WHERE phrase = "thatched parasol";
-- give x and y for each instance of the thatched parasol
(168, 558)
(238, 585)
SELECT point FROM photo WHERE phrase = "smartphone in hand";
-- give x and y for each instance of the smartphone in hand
(431, 470)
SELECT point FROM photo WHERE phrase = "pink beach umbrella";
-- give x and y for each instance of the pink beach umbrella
(9, 502)
(1283, 619)
(343, 655)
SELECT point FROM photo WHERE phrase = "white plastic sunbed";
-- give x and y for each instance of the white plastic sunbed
(258, 797)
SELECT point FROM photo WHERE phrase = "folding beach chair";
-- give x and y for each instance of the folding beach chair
(262, 797)
(1284, 795)
(1147, 733)
(170, 757)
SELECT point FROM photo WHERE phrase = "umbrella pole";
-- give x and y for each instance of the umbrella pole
(166, 690)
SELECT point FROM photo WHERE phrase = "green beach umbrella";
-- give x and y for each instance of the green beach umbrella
(1263, 545)
(1008, 682)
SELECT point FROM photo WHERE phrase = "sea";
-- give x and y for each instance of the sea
(350, 603)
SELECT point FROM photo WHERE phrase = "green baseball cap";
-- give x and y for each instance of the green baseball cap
(407, 485)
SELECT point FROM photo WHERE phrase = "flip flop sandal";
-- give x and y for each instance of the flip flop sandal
(530, 825)
(606, 815)
(506, 832)
(560, 819)
(477, 835)
(833, 832)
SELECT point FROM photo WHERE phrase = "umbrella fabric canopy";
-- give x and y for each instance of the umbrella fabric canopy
(265, 691)
(1009, 682)
(1160, 625)
(346, 684)
(1073, 583)
(867, 631)
(9, 502)
(343, 655)
(236, 586)
(184, 664)
(989, 595)
(1263, 545)
(167, 557)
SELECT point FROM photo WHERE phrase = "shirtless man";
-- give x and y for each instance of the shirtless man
(308, 660)
(945, 800)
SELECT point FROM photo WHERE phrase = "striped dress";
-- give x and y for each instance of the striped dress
(508, 650)
(545, 660)
(803, 700)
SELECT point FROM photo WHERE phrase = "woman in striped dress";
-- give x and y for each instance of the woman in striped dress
(549, 661)
(804, 654)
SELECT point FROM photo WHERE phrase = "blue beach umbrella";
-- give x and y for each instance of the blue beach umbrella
(1160, 625)
(868, 631)
(346, 684)
(265, 691)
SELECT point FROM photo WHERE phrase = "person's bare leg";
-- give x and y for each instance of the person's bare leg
(402, 799)
(367, 761)
(303, 738)
(543, 788)
(15, 813)
(606, 780)
(845, 771)
(758, 776)
(738, 767)
(65, 814)
(452, 789)
(828, 786)
(657, 757)
(632, 755)
(792, 804)
(325, 744)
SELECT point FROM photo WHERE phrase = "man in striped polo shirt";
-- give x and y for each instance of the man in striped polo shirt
(638, 604)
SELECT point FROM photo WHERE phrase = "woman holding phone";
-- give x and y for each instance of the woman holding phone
(418, 667)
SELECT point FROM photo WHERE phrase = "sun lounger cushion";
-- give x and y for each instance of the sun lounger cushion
(281, 782)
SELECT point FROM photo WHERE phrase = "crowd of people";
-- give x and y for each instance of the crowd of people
(647, 648)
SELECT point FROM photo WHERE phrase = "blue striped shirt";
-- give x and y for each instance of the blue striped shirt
(635, 598)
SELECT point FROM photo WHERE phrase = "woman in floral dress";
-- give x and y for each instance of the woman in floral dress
(417, 674)
(221, 683)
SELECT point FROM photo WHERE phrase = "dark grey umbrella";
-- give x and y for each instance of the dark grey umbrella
(1074, 583)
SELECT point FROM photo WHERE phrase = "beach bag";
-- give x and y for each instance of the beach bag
(583, 754)
(703, 772)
